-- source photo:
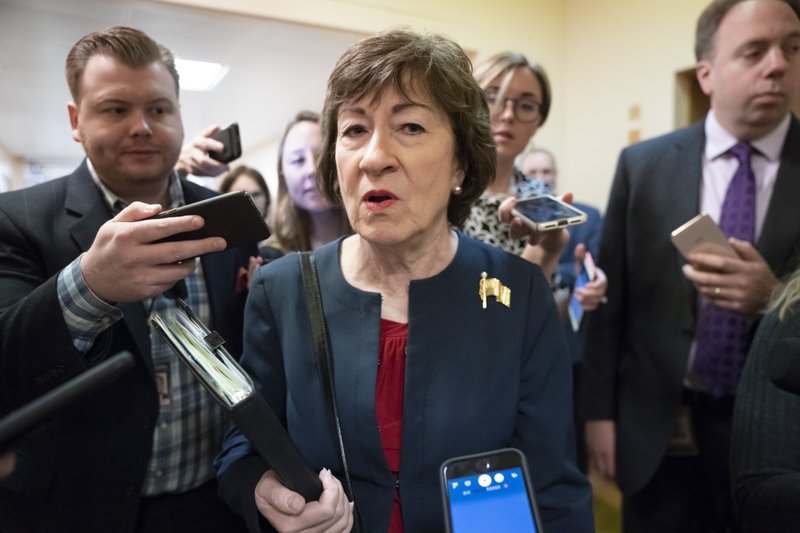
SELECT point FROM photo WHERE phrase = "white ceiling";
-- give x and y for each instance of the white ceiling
(276, 69)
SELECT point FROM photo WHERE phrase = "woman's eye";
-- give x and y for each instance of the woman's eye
(413, 129)
(351, 131)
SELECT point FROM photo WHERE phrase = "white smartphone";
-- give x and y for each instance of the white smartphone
(542, 213)
(701, 234)
(588, 273)
(490, 491)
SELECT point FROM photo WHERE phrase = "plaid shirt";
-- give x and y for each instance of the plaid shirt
(189, 428)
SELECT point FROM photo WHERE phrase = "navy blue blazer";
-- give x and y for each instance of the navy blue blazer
(587, 234)
(637, 345)
(476, 379)
(82, 471)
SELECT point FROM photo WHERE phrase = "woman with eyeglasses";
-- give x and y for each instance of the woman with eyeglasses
(518, 94)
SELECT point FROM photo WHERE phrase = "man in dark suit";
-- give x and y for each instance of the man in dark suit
(655, 422)
(79, 276)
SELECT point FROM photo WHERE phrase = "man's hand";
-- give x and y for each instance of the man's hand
(194, 157)
(601, 446)
(123, 264)
(287, 511)
(7, 463)
(742, 284)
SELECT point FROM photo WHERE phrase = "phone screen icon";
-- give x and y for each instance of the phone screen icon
(501, 504)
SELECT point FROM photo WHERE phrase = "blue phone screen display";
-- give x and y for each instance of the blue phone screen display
(575, 309)
(494, 501)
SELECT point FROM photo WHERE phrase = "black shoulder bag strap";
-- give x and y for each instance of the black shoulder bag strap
(319, 338)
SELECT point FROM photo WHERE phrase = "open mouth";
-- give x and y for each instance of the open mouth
(378, 198)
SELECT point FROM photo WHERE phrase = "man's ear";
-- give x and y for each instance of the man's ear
(703, 72)
(72, 110)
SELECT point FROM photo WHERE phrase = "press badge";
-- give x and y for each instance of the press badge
(162, 385)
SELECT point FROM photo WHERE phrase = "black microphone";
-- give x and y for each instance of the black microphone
(783, 364)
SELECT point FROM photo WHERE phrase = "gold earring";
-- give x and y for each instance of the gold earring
(457, 190)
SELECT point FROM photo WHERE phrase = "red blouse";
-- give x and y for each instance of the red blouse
(389, 402)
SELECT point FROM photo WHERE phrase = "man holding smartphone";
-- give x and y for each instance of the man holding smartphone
(659, 416)
(80, 271)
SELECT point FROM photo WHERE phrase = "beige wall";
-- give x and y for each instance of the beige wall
(603, 57)
(618, 54)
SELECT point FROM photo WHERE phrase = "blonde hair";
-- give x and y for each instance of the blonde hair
(786, 295)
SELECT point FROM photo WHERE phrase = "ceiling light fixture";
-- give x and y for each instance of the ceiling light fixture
(199, 75)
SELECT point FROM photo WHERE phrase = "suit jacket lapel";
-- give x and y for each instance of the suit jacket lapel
(689, 171)
(686, 173)
(87, 208)
(779, 236)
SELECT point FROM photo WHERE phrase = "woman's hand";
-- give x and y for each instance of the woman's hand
(594, 292)
(544, 247)
(287, 511)
(552, 242)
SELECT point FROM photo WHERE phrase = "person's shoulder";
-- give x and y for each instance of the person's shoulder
(195, 192)
(474, 251)
(692, 133)
(590, 210)
(36, 197)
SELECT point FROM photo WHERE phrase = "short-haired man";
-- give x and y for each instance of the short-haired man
(79, 276)
(658, 392)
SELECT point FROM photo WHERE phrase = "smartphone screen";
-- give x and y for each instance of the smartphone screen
(494, 495)
(546, 212)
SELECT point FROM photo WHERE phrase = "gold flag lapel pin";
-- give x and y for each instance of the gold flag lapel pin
(493, 287)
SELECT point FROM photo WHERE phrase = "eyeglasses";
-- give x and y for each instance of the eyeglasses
(525, 109)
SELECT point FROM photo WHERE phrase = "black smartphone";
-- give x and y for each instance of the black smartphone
(489, 491)
(544, 213)
(232, 216)
(233, 145)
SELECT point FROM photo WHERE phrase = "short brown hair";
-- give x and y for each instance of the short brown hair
(242, 170)
(711, 18)
(132, 47)
(505, 63)
(438, 67)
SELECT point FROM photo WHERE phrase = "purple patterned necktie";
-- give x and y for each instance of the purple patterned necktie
(723, 337)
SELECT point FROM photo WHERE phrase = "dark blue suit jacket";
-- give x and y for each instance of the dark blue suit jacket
(82, 471)
(476, 380)
(587, 234)
(637, 344)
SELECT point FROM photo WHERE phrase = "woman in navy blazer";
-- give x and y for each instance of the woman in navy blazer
(406, 149)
